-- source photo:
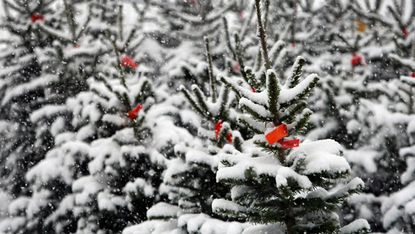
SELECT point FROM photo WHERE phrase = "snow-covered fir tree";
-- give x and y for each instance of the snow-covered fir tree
(23, 88)
(258, 191)
(397, 208)
(108, 90)
(369, 107)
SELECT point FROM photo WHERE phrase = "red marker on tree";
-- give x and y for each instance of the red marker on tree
(356, 60)
(37, 17)
(128, 62)
(132, 114)
(289, 144)
(277, 134)
(218, 127)
(253, 89)
(229, 137)
(413, 74)
(405, 32)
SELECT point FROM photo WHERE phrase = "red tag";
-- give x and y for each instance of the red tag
(277, 134)
(253, 89)
(128, 62)
(36, 17)
(229, 137)
(356, 60)
(405, 32)
(289, 144)
(218, 127)
(132, 114)
(413, 74)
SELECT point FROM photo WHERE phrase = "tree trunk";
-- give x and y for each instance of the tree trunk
(290, 226)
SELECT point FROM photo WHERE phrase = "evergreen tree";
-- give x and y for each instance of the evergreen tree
(397, 209)
(372, 103)
(250, 172)
(81, 64)
(295, 187)
(190, 179)
(23, 89)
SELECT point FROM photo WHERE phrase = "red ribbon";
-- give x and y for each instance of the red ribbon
(128, 62)
(277, 134)
(218, 127)
(36, 17)
(289, 144)
(229, 137)
(132, 114)
(356, 60)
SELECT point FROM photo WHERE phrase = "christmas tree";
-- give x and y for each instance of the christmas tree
(100, 108)
(250, 171)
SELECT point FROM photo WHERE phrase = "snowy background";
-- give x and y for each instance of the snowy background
(207, 116)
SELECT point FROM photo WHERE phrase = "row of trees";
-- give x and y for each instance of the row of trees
(195, 116)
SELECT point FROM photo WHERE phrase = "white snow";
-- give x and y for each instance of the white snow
(139, 184)
(22, 89)
(356, 225)
(321, 156)
(284, 173)
(365, 158)
(163, 209)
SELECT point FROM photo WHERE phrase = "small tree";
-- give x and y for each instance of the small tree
(301, 188)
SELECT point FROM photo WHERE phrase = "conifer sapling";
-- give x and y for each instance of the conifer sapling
(298, 187)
